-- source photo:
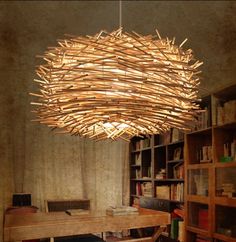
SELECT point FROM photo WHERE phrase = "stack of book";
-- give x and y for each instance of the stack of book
(146, 188)
(161, 174)
(122, 210)
(228, 189)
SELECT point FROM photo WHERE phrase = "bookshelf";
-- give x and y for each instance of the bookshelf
(210, 168)
(157, 171)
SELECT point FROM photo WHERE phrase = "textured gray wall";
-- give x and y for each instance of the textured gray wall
(50, 166)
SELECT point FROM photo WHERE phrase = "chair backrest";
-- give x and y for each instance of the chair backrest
(63, 205)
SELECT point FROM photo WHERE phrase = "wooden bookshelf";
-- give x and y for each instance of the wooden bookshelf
(210, 168)
(160, 163)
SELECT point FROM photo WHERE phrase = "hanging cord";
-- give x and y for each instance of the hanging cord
(120, 14)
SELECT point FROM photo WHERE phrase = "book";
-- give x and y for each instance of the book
(230, 111)
(121, 210)
(181, 231)
(203, 219)
(146, 188)
(178, 171)
(174, 228)
(163, 192)
(73, 212)
(138, 159)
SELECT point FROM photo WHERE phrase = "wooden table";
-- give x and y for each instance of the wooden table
(54, 224)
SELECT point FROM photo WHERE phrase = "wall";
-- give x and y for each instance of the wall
(33, 159)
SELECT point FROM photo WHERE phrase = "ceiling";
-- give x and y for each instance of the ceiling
(28, 27)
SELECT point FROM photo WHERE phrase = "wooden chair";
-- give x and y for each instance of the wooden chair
(63, 205)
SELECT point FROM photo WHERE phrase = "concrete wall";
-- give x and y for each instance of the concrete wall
(51, 166)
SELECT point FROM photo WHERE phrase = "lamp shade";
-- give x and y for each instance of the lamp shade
(117, 85)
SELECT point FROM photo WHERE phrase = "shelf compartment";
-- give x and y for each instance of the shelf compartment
(162, 139)
(225, 181)
(198, 216)
(175, 170)
(198, 182)
(225, 221)
(169, 191)
(135, 172)
(160, 162)
(136, 158)
(199, 147)
(225, 143)
(146, 164)
(204, 118)
(175, 151)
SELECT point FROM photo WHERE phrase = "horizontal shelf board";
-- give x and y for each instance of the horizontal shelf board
(141, 179)
(224, 237)
(134, 165)
(159, 146)
(135, 151)
(225, 201)
(169, 180)
(231, 125)
(198, 199)
(198, 231)
(225, 164)
(147, 148)
(201, 131)
(199, 166)
(175, 161)
(140, 150)
(176, 142)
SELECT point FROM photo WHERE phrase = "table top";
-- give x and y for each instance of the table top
(53, 224)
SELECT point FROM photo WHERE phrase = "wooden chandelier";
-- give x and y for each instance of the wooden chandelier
(117, 85)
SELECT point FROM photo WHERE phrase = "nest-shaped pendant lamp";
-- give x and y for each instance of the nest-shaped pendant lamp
(117, 85)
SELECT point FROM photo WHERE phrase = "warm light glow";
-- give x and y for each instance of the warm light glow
(117, 85)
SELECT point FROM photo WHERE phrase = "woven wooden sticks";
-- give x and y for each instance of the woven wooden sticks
(117, 85)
